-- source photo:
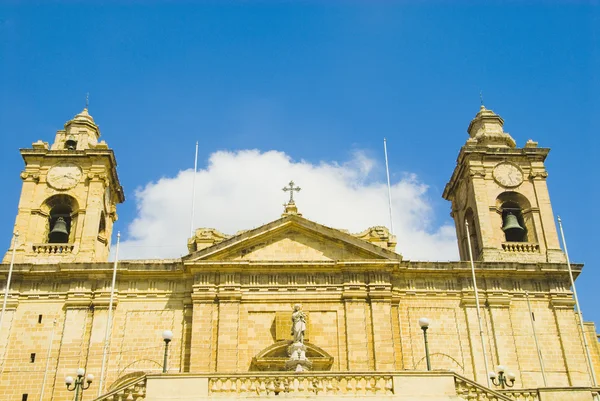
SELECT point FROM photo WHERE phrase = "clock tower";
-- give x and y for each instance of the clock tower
(500, 190)
(68, 201)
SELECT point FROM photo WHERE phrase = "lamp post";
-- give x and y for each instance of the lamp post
(167, 336)
(78, 383)
(502, 379)
(424, 323)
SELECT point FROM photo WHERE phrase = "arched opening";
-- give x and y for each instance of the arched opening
(71, 144)
(473, 229)
(62, 217)
(102, 226)
(516, 217)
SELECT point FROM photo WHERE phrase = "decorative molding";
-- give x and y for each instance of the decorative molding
(562, 303)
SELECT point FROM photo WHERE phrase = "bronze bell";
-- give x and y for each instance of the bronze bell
(59, 233)
(512, 228)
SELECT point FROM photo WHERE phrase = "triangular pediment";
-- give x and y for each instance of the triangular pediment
(293, 238)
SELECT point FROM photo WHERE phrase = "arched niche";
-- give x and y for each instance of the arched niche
(516, 204)
(63, 207)
(274, 356)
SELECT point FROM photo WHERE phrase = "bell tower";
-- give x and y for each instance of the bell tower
(500, 190)
(68, 200)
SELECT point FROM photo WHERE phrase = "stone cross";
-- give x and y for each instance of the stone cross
(291, 189)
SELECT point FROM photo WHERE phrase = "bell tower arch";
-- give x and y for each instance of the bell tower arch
(68, 200)
(501, 190)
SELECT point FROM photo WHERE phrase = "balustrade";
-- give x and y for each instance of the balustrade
(51, 249)
(527, 247)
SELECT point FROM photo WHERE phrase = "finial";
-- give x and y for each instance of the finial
(290, 207)
(482, 107)
(291, 190)
(87, 100)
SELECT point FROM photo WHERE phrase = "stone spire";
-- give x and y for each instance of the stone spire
(486, 130)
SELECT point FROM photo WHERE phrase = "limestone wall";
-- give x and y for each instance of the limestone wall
(365, 317)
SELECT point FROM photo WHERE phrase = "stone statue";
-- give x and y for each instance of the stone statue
(298, 324)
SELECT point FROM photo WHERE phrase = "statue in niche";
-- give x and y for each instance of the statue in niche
(298, 324)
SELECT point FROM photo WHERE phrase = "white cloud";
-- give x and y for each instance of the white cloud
(242, 190)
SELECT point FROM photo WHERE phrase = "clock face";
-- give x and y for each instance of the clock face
(64, 176)
(508, 175)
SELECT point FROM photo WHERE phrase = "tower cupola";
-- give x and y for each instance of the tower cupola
(486, 130)
(80, 133)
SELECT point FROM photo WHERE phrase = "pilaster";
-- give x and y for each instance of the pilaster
(228, 335)
(571, 341)
(73, 347)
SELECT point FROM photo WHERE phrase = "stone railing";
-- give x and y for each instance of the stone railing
(521, 394)
(132, 391)
(301, 384)
(470, 390)
(297, 386)
(52, 249)
(527, 247)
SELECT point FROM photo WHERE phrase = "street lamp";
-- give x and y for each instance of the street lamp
(78, 383)
(167, 336)
(424, 323)
(502, 379)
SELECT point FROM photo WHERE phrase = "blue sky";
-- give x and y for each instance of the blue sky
(323, 84)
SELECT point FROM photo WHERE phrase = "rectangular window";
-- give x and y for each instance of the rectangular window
(24, 398)
(40, 319)
(32, 357)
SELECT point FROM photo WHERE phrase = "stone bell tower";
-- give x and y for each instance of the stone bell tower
(68, 201)
(500, 190)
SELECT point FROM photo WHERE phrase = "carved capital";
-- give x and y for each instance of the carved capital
(102, 177)
(538, 174)
(27, 176)
(476, 173)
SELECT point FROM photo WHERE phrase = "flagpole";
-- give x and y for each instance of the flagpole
(109, 320)
(47, 361)
(10, 270)
(194, 191)
(585, 343)
(537, 345)
(387, 170)
(487, 377)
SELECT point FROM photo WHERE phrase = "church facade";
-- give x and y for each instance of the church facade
(228, 304)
